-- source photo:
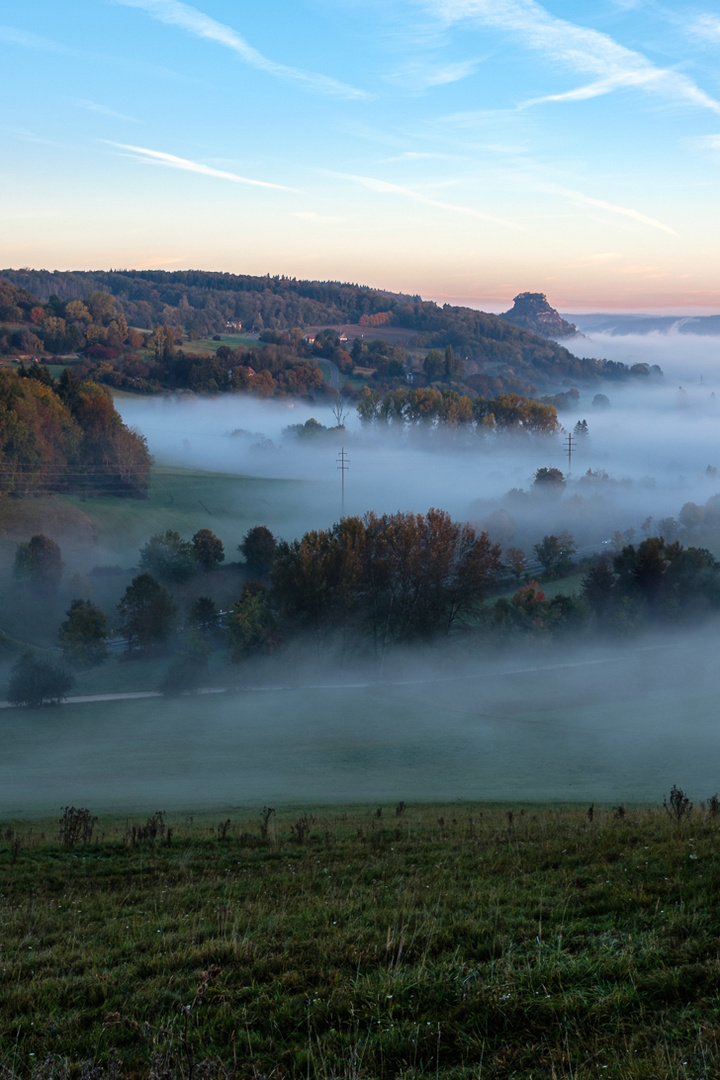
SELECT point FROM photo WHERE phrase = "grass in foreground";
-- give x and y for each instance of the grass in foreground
(453, 941)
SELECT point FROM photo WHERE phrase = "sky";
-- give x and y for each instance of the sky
(465, 150)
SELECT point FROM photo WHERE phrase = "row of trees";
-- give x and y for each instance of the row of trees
(377, 581)
(653, 583)
(392, 579)
(429, 406)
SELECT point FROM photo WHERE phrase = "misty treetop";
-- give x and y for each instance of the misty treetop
(39, 563)
(171, 559)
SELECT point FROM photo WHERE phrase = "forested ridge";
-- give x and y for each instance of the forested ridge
(206, 300)
(103, 314)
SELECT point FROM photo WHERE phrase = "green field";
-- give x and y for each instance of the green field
(100, 540)
(208, 345)
(455, 941)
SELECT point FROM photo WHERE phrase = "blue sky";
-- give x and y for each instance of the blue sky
(461, 149)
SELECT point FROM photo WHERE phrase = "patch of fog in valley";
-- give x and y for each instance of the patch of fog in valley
(649, 452)
(617, 722)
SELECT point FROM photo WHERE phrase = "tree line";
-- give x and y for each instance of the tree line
(431, 406)
(367, 585)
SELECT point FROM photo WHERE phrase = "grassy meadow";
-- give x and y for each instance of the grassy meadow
(387, 940)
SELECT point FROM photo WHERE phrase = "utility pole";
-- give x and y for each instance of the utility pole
(343, 465)
(570, 448)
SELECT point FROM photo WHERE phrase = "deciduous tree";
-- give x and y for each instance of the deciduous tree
(168, 557)
(147, 612)
(258, 550)
(209, 550)
(82, 635)
(40, 562)
(251, 624)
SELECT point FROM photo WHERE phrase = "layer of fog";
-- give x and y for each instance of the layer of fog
(616, 724)
(619, 723)
(647, 455)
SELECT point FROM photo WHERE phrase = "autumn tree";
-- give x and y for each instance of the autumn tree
(209, 550)
(515, 561)
(162, 343)
(398, 577)
(530, 613)
(667, 578)
(111, 458)
(515, 413)
(549, 482)
(434, 365)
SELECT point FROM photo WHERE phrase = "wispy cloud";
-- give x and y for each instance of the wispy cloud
(577, 48)
(600, 204)
(93, 106)
(175, 13)
(386, 188)
(28, 40)
(158, 157)
(599, 88)
(706, 27)
(421, 75)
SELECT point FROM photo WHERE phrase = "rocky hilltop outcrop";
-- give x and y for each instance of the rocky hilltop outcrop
(532, 312)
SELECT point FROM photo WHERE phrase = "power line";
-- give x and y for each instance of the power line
(343, 466)
(570, 448)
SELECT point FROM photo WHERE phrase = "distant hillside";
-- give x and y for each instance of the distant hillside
(97, 315)
(205, 302)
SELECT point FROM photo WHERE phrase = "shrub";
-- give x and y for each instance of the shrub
(38, 682)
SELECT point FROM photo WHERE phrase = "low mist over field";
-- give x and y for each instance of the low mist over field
(646, 455)
(609, 717)
(619, 723)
